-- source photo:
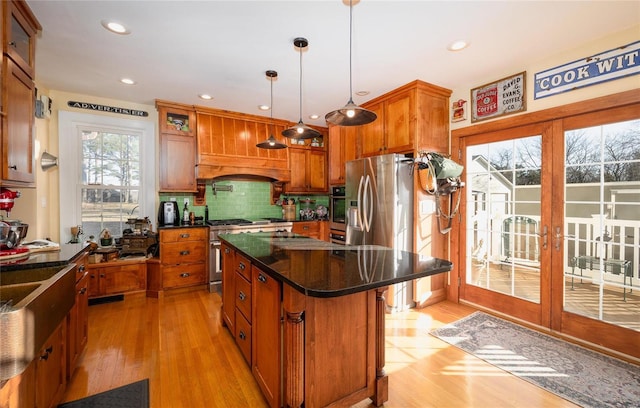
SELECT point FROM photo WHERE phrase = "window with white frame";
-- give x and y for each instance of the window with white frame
(110, 187)
(107, 172)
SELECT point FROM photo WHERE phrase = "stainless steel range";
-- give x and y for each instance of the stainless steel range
(236, 226)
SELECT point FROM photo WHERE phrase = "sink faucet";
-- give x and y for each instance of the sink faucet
(132, 210)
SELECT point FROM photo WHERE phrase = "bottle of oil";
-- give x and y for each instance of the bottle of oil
(185, 214)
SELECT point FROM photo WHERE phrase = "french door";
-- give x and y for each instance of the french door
(550, 228)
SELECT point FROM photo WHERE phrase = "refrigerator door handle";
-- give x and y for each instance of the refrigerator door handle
(359, 204)
(368, 206)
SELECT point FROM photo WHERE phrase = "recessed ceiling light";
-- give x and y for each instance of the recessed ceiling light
(263, 107)
(128, 81)
(115, 27)
(458, 45)
(314, 116)
(206, 97)
(362, 93)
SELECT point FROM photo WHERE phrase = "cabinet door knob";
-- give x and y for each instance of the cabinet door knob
(242, 335)
(242, 296)
(12, 43)
(241, 266)
(81, 268)
(226, 250)
(102, 275)
(262, 278)
(83, 291)
(14, 167)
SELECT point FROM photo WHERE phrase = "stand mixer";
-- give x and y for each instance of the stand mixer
(12, 232)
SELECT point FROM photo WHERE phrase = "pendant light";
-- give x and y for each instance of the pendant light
(271, 142)
(300, 130)
(351, 114)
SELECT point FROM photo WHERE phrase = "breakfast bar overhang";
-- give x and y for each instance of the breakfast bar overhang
(326, 312)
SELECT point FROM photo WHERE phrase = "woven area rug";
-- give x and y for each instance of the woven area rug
(134, 395)
(582, 376)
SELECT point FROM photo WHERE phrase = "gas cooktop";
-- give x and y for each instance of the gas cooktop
(231, 221)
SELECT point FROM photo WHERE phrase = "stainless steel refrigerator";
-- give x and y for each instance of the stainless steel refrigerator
(379, 200)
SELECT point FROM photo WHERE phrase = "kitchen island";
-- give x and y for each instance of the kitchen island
(309, 315)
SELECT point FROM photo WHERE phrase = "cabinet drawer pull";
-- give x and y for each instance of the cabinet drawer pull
(49, 350)
(83, 291)
(241, 266)
(262, 278)
(242, 335)
(185, 275)
(184, 235)
(226, 250)
(242, 296)
(306, 227)
(183, 253)
(44, 357)
(81, 268)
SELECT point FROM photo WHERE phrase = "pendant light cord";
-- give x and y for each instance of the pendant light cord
(350, 50)
(300, 83)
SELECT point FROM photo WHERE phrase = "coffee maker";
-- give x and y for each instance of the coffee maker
(168, 214)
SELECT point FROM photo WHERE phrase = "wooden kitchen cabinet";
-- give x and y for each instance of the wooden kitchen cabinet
(267, 335)
(308, 170)
(228, 287)
(19, 27)
(19, 35)
(184, 259)
(177, 165)
(394, 130)
(312, 229)
(117, 277)
(20, 391)
(342, 148)
(411, 118)
(51, 378)
(78, 317)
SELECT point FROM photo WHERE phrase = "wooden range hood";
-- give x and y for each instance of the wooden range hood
(227, 147)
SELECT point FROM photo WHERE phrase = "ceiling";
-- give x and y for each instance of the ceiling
(179, 49)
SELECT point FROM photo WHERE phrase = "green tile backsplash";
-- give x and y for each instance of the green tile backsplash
(249, 199)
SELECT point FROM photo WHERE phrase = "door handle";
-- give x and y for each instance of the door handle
(558, 237)
(544, 236)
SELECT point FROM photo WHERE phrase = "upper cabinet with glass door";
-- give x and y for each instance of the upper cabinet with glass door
(19, 36)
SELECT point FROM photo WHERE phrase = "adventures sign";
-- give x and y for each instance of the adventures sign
(104, 108)
(613, 64)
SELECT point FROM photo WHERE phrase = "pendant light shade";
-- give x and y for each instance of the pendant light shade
(300, 130)
(351, 114)
(271, 142)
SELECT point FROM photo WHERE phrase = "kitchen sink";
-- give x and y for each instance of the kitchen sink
(28, 275)
(33, 302)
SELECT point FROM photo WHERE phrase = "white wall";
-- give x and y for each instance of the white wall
(534, 66)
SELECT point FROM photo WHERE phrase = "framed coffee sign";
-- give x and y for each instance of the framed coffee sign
(499, 98)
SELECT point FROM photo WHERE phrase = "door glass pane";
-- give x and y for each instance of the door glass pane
(503, 215)
(602, 223)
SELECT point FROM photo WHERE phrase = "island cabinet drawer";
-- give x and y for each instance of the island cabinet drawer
(243, 336)
(243, 266)
(183, 252)
(183, 275)
(243, 296)
(184, 235)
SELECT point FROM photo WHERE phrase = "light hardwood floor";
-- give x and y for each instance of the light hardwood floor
(191, 361)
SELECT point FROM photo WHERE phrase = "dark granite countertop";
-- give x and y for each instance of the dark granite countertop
(322, 269)
(44, 259)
